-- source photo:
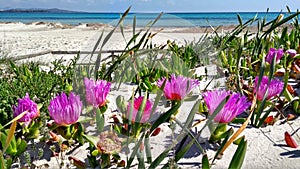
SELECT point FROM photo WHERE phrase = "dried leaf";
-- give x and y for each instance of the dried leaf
(54, 136)
(295, 68)
(291, 90)
(10, 135)
(78, 163)
(290, 117)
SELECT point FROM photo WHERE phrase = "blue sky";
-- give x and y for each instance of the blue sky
(156, 5)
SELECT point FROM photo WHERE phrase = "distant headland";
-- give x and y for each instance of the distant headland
(38, 10)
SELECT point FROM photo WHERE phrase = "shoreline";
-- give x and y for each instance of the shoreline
(99, 26)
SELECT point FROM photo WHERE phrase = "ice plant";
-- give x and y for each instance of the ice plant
(272, 53)
(274, 88)
(25, 104)
(65, 110)
(136, 106)
(96, 91)
(235, 105)
(176, 88)
(291, 52)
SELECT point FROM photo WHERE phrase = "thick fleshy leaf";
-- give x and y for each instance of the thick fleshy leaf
(290, 140)
(237, 141)
(239, 155)
(21, 147)
(91, 139)
(100, 121)
(269, 120)
(205, 162)
(156, 132)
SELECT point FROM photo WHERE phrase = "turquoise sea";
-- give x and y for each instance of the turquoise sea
(167, 20)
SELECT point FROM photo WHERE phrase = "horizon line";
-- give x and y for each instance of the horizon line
(77, 11)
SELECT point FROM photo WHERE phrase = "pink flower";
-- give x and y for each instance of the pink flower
(235, 105)
(291, 52)
(96, 92)
(274, 88)
(178, 87)
(272, 53)
(136, 105)
(65, 110)
(25, 104)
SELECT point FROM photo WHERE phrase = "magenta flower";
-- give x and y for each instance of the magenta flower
(136, 105)
(291, 52)
(25, 104)
(235, 105)
(272, 53)
(65, 110)
(178, 87)
(96, 92)
(275, 87)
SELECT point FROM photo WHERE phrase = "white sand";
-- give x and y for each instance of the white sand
(18, 39)
(266, 146)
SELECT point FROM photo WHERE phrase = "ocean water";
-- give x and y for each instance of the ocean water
(167, 19)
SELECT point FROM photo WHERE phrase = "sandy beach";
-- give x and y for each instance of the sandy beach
(266, 146)
(19, 39)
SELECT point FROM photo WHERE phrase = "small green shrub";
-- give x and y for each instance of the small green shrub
(41, 85)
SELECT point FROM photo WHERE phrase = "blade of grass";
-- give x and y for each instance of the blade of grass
(273, 27)
(97, 44)
(134, 152)
(148, 149)
(238, 63)
(108, 36)
(240, 19)
(181, 153)
(165, 116)
(165, 153)
(133, 26)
